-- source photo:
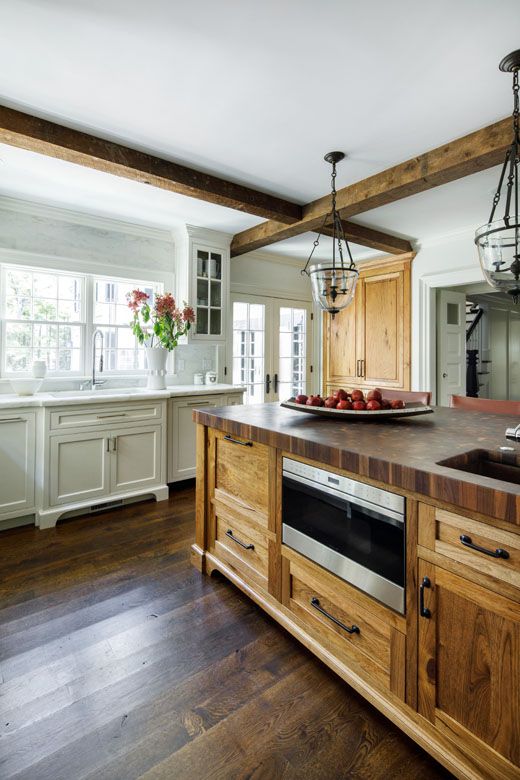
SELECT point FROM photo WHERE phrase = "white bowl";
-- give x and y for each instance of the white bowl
(26, 386)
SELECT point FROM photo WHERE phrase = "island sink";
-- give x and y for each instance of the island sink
(497, 464)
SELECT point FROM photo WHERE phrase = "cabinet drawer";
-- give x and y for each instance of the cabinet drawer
(339, 618)
(242, 546)
(458, 538)
(242, 471)
(94, 416)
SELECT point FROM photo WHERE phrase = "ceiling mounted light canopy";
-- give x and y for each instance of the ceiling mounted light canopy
(498, 241)
(333, 280)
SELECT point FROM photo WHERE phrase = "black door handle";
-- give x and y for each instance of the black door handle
(227, 437)
(498, 553)
(267, 384)
(424, 611)
(316, 604)
(229, 533)
(276, 383)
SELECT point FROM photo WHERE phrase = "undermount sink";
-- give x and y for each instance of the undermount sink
(91, 393)
(497, 464)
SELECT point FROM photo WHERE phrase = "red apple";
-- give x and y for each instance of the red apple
(397, 403)
(359, 406)
(357, 395)
(315, 400)
(340, 395)
(375, 395)
(385, 404)
(344, 404)
(373, 405)
(301, 399)
(331, 402)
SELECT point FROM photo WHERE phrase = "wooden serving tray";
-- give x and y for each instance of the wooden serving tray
(410, 410)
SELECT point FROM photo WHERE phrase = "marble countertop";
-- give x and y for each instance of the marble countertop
(71, 397)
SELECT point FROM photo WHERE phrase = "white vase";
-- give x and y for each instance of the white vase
(39, 369)
(156, 358)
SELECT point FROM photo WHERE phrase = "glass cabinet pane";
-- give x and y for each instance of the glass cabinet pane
(202, 264)
(201, 324)
(215, 319)
(202, 292)
(216, 265)
(216, 294)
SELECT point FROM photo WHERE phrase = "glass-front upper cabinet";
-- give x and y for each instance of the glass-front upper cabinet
(210, 285)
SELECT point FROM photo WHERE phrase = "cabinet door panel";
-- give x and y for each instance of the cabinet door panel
(182, 435)
(135, 458)
(17, 446)
(78, 467)
(341, 334)
(469, 660)
(383, 329)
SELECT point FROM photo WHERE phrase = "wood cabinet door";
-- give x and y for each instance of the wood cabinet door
(469, 666)
(341, 346)
(79, 467)
(384, 328)
(17, 450)
(136, 459)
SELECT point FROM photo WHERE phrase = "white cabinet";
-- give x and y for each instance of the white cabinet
(182, 431)
(79, 467)
(203, 281)
(114, 452)
(136, 461)
(17, 460)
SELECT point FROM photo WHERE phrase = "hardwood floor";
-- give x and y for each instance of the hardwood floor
(120, 661)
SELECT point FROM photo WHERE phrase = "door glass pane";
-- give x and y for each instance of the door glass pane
(248, 349)
(292, 347)
(452, 313)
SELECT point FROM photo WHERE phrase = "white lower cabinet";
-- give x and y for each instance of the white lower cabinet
(17, 460)
(111, 457)
(135, 458)
(79, 467)
(182, 444)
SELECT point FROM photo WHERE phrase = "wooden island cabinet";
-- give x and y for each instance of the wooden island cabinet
(447, 672)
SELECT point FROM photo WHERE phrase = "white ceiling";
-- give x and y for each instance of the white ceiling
(258, 92)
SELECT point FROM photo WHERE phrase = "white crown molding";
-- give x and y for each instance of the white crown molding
(214, 237)
(61, 214)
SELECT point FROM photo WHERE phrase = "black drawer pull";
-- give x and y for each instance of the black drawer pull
(227, 437)
(316, 604)
(424, 611)
(498, 553)
(229, 533)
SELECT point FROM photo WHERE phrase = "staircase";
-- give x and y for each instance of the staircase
(475, 366)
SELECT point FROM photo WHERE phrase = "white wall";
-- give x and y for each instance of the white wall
(263, 273)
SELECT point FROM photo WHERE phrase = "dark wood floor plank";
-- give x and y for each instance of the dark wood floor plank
(95, 687)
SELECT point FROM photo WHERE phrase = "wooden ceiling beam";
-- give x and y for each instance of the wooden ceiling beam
(375, 239)
(472, 153)
(39, 135)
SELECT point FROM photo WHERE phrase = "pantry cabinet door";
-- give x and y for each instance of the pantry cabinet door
(469, 662)
(17, 449)
(341, 346)
(136, 460)
(78, 467)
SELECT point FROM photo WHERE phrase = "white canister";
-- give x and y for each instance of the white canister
(211, 377)
(198, 379)
(39, 369)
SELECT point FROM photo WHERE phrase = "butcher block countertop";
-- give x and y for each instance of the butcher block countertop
(403, 454)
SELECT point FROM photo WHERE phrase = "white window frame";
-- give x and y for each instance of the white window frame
(87, 324)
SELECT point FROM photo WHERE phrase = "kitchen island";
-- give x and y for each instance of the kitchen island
(446, 667)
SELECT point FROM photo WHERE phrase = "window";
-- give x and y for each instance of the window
(51, 315)
(112, 317)
(248, 349)
(44, 320)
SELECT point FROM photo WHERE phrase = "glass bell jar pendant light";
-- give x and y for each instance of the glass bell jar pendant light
(333, 280)
(498, 241)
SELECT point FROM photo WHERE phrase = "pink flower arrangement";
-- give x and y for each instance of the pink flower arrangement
(163, 320)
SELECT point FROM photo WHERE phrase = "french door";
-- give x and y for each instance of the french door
(271, 341)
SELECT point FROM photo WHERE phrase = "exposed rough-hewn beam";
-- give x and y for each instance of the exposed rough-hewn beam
(462, 157)
(39, 135)
(375, 239)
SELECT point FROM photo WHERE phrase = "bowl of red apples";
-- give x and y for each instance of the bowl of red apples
(356, 404)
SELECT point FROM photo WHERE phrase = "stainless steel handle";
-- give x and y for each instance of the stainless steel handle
(362, 367)
(108, 443)
(349, 629)
(198, 403)
(357, 368)
(114, 446)
(11, 419)
(107, 416)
